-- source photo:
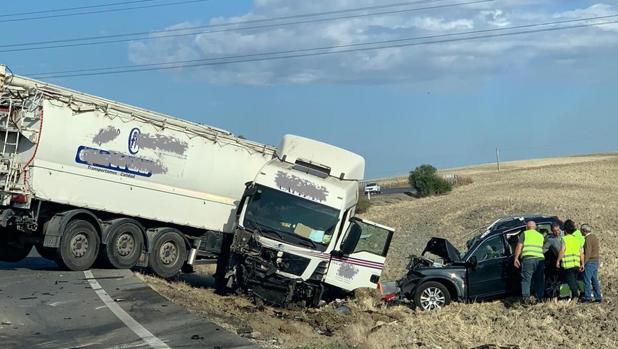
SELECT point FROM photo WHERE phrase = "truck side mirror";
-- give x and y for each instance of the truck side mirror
(250, 190)
(472, 262)
(351, 240)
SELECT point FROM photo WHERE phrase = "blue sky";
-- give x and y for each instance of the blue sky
(451, 104)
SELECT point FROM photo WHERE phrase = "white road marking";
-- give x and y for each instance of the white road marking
(123, 316)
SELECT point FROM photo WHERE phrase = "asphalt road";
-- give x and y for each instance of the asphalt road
(44, 307)
(400, 190)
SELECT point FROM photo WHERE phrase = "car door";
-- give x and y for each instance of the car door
(360, 258)
(488, 278)
(513, 274)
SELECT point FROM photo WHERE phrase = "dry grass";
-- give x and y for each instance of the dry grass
(582, 188)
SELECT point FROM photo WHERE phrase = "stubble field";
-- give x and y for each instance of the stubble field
(584, 189)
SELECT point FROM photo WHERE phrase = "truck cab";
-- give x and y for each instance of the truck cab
(297, 239)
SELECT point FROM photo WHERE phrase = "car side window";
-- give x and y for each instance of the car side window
(512, 238)
(544, 228)
(490, 249)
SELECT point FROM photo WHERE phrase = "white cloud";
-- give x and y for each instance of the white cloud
(456, 59)
(495, 18)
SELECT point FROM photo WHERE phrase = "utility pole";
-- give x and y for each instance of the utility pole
(498, 158)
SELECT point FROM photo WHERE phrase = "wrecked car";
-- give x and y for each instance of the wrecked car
(484, 272)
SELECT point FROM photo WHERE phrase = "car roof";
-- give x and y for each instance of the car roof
(513, 222)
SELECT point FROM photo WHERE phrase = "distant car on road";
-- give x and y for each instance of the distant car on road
(372, 188)
(484, 272)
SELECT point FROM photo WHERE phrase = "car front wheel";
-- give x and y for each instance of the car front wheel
(431, 295)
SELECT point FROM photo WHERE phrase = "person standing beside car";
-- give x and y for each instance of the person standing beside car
(530, 249)
(553, 241)
(551, 249)
(571, 258)
(576, 233)
(591, 266)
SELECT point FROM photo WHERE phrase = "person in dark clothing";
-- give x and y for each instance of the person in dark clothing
(551, 249)
(553, 241)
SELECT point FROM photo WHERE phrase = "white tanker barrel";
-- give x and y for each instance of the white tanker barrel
(102, 155)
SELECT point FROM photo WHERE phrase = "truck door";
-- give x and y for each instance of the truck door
(360, 258)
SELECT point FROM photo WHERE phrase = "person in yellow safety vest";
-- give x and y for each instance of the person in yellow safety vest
(578, 235)
(571, 258)
(530, 249)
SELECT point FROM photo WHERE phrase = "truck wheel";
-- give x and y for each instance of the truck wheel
(12, 251)
(431, 295)
(124, 246)
(168, 254)
(79, 246)
(46, 252)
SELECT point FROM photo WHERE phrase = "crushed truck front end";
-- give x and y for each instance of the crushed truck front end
(297, 239)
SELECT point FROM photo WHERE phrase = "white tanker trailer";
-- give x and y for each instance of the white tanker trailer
(83, 179)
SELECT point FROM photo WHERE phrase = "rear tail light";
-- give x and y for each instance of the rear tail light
(19, 199)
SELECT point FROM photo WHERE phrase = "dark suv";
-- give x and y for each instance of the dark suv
(483, 272)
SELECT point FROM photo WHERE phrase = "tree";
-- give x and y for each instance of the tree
(426, 181)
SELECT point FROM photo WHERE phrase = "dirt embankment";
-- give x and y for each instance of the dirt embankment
(586, 191)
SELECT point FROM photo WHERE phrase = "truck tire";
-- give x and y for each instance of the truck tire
(46, 252)
(168, 255)
(431, 295)
(124, 245)
(12, 251)
(79, 246)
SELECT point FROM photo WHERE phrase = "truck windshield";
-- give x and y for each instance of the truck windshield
(290, 218)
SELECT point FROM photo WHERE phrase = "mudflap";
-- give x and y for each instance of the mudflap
(224, 275)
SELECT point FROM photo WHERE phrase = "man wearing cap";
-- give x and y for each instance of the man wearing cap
(530, 248)
(591, 256)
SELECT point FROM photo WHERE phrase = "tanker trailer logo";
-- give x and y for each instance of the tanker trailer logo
(112, 162)
(133, 141)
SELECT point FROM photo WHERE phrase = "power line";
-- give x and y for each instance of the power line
(297, 53)
(100, 11)
(132, 36)
(73, 8)
(336, 49)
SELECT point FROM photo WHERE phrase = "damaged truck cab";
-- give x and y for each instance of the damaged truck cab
(297, 240)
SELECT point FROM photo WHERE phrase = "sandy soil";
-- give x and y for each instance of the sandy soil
(581, 188)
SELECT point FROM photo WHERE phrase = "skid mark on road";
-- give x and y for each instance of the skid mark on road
(123, 316)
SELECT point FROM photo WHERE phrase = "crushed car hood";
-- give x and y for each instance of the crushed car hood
(444, 249)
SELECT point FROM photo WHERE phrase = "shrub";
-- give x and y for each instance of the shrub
(426, 181)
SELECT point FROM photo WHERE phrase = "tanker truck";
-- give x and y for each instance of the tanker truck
(84, 179)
